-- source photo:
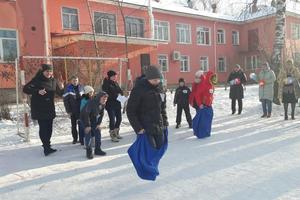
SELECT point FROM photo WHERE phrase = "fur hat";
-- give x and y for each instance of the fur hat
(152, 72)
(87, 89)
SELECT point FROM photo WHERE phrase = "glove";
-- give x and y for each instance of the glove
(201, 106)
(142, 131)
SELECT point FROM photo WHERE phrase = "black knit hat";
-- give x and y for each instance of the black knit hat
(152, 72)
(46, 67)
(111, 73)
(181, 80)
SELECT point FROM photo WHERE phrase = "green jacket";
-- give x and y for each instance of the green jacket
(266, 91)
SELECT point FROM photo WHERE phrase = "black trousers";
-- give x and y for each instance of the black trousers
(115, 118)
(285, 106)
(240, 105)
(74, 119)
(187, 114)
(45, 131)
(156, 141)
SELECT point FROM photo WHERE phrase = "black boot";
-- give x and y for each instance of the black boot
(49, 150)
(99, 152)
(89, 153)
(177, 125)
(190, 125)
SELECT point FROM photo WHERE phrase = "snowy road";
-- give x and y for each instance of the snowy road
(247, 158)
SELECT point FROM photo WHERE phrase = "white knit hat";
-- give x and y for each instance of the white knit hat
(87, 89)
(199, 73)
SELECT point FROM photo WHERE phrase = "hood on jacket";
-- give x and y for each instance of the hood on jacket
(212, 78)
(97, 98)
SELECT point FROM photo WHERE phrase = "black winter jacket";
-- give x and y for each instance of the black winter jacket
(113, 90)
(237, 90)
(42, 106)
(72, 98)
(92, 113)
(181, 97)
(146, 108)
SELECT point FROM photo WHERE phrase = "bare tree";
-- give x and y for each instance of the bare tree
(208, 5)
(279, 42)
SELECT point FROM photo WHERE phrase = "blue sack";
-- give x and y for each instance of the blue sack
(145, 158)
(202, 122)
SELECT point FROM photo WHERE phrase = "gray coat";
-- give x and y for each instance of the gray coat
(266, 91)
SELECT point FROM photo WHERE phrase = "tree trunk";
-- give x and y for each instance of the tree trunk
(278, 45)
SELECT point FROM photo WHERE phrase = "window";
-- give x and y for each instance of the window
(184, 64)
(296, 31)
(161, 30)
(253, 40)
(163, 63)
(204, 64)
(8, 45)
(183, 33)
(221, 64)
(203, 36)
(252, 62)
(105, 23)
(70, 19)
(235, 38)
(134, 27)
(221, 36)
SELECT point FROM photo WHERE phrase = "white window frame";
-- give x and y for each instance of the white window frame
(167, 62)
(295, 33)
(182, 68)
(116, 26)
(220, 36)
(156, 35)
(1, 45)
(235, 37)
(253, 60)
(200, 29)
(133, 17)
(225, 66)
(186, 35)
(62, 18)
(204, 64)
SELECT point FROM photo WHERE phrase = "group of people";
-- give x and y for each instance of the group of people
(146, 107)
(84, 108)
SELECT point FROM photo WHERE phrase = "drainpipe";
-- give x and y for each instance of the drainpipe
(151, 19)
(215, 46)
(46, 27)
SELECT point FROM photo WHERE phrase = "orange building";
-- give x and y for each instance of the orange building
(179, 39)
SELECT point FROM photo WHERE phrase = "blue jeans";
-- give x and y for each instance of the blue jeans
(88, 138)
(115, 118)
(266, 106)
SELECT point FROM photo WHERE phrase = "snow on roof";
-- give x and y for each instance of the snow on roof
(227, 13)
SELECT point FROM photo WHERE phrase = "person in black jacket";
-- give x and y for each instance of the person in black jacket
(72, 98)
(181, 99)
(91, 117)
(236, 80)
(113, 106)
(42, 89)
(146, 107)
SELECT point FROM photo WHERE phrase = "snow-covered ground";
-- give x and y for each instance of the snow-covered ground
(246, 158)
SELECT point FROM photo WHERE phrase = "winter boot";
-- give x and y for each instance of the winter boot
(177, 126)
(113, 136)
(99, 152)
(49, 150)
(190, 125)
(117, 133)
(89, 153)
(269, 115)
(264, 115)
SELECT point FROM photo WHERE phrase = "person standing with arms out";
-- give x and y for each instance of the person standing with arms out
(288, 86)
(72, 98)
(236, 80)
(42, 89)
(91, 117)
(113, 106)
(181, 99)
(266, 79)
